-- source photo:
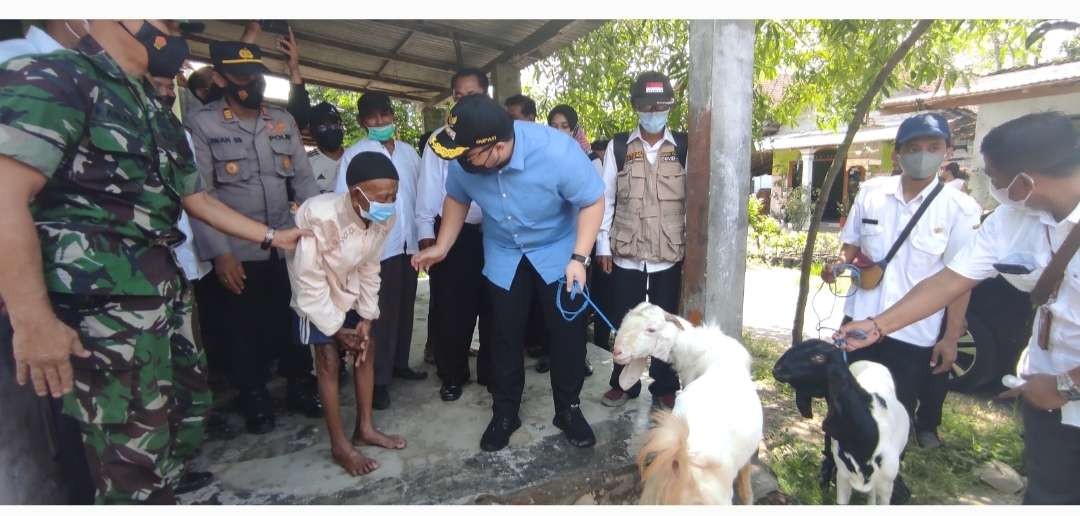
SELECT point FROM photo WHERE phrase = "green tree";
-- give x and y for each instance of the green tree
(408, 117)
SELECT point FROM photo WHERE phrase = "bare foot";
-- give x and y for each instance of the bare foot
(354, 462)
(377, 438)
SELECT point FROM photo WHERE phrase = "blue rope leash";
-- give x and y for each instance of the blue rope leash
(570, 315)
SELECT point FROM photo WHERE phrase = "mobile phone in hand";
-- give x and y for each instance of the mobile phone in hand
(275, 26)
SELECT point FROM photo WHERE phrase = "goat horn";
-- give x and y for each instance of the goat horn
(673, 320)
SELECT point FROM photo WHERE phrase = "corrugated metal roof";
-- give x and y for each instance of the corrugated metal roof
(412, 59)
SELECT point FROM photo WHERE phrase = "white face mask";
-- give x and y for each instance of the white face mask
(1001, 195)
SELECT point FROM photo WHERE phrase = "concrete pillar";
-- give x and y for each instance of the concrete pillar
(507, 81)
(718, 185)
(434, 117)
(807, 170)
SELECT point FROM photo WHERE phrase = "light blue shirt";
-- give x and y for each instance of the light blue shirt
(36, 41)
(530, 206)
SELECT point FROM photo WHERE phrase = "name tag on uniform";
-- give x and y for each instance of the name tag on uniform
(225, 139)
(669, 157)
(870, 221)
(286, 137)
(635, 156)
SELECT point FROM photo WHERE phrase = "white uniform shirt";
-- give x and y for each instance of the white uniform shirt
(325, 170)
(603, 240)
(1010, 231)
(431, 192)
(36, 41)
(402, 238)
(878, 216)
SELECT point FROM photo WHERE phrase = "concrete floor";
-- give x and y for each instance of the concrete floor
(443, 463)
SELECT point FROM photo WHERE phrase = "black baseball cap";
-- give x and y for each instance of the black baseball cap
(930, 124)
(191, 27)
(475, 121)
(652, 88)
(373, 102)
(237, 58)
(324, 112)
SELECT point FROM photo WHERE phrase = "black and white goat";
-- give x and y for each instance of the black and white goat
(697, 452)
(866, 427)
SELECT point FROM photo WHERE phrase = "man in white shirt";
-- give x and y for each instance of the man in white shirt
(325, 127)
(879, 214)
(458, 295)
(58, 34)
(1033, 163)
(645, 224)
(393, 331)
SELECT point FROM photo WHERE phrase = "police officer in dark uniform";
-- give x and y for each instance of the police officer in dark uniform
(249, 154)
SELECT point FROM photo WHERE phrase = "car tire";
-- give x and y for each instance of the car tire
(976, 359)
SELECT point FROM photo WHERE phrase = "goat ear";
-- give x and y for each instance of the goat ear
(631, 373)
(674, 320)
(805, 404)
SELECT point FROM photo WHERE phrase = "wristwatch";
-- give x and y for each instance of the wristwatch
(1067, 387)
(585, 260)
(269, 238)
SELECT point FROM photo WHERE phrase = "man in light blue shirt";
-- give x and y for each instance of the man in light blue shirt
(543, 205)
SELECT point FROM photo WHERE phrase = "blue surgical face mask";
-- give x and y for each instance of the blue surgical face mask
(377, 211)
(653, 123)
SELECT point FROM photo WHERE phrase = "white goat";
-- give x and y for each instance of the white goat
(866, 428)
(697, 452)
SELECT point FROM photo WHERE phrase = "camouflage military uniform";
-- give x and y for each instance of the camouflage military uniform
(117, 165)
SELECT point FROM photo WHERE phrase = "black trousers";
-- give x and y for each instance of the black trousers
(258, 323)
(600, 290)
(931, 400)
(457, 289)
(393, 331)
(209, 305)
(628, 289)
(1051, 458)
(566, 341)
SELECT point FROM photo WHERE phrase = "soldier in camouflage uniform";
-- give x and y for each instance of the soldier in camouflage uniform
(90, 157)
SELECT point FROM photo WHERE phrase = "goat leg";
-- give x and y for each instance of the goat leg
(828, 466)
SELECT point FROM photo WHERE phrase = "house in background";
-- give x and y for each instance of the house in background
(998, 98)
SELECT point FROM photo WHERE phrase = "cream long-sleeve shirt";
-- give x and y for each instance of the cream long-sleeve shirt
(337, 270)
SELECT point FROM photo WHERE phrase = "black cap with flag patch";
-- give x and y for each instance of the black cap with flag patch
(652, 88)
(237, 57)
(475, 121)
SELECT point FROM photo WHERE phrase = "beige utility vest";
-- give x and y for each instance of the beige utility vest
(650, 206)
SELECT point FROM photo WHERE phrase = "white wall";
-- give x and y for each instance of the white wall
(993, 115)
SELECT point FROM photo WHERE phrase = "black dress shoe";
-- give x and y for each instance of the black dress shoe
(572, 422)
(543, 364)
(410, 374)
(450, 391)
(258, 411)
(218, 427)
(498, 433)
(381, 398)
(193, 481)
(303, 398)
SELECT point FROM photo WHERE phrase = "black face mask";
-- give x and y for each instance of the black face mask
(477, 169)
(165, 54)
(330, 139)
(249, 95)
(168, 101)
(214, 92)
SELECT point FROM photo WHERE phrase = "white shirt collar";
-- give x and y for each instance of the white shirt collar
(923, 194)
(42, 40)
(1048, 219)
(636, 135)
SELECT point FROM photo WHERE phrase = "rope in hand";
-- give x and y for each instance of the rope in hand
(570, 315)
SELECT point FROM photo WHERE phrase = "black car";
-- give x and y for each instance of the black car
(999, 320)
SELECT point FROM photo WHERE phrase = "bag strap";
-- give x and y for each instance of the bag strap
(1050, 279)
(619, 144)
(914, 220)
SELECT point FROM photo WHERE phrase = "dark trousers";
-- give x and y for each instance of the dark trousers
(931, 400)
(566, 341)
(212, 330)
(600, 290)
(457, 289)
(393, 331)
(258, 323)
(1051, 458)
(536, 336)
(628, 289)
